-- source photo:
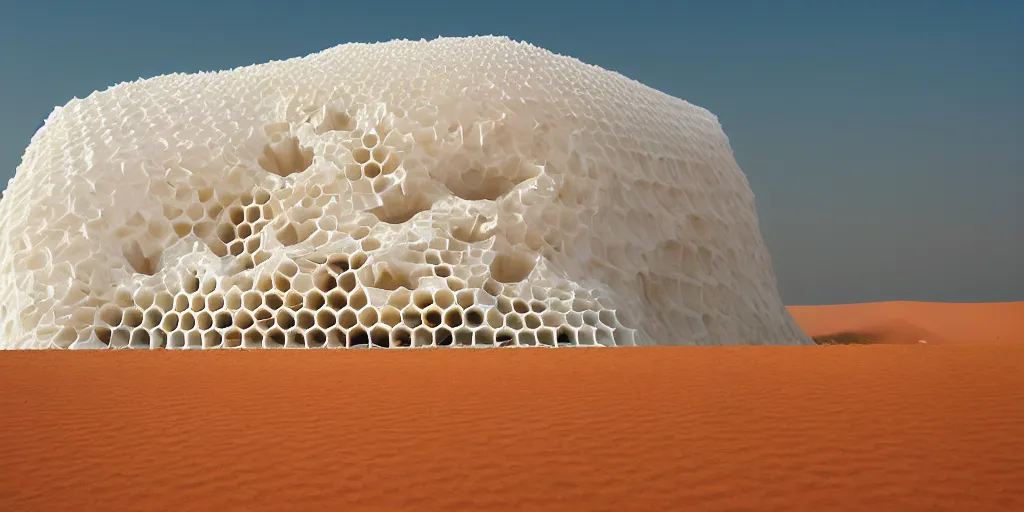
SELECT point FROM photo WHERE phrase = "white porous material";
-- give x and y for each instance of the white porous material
(454, 192)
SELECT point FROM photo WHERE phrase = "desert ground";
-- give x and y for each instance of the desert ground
(885, 423)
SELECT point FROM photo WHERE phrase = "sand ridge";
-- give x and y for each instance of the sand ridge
(900, 428)
(909, 322)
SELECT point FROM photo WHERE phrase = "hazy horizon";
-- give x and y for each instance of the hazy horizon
(884, 143)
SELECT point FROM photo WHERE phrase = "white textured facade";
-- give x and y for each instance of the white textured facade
(454, 192)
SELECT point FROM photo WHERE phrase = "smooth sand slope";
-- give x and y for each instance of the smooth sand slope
(901, 428)
(910, 322)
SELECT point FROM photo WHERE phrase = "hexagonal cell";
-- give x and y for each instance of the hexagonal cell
(305, 319)
(465, 298)
(603, 336)
(204, 321)
(483, 336)
(474, 317)
(190, 283)
(453, 317)
(326, 318)
(463, 336)
(264, 317)
(212, 339)
(527, 338)
(412, 316)
(358, 337)
(503, 305)
(347, 281)
(336, 299)
(358, 299)
(401, 336)
(188, 321)
(215, 302)
(176, 340)
(252, 338)
(302, 285)
(152, 318)
(132, 317)
(390, 316)
(368, 317)
(282, 283)
(253, 214)
(532, 320)
(574, 319)
(565, 336)
(585, 336)
(546, 336)
(208, 286)
(274, 300)
(143, 299)
(422, 336)
(120, 337)
(284, 319)
(495, 318)
(169, 321)
(243, 231)
(514, 321)
(164, 301)
(193, 340)
(380, 336)
(233, 300)
(253, 244)
(361, 155)
(358, 259)
(444, 298)
(422, 299)
(353, 171)
(348, 318)
(226, 233)
(432, 316)
(443, 337)
(324, 281)
(223, 319)
(275, 338)
(235, 215)
(110, 315)
(315, 338)
(505, 337)
(197, 303)
(232, 338)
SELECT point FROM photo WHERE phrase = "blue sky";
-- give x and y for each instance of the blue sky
(884, 140)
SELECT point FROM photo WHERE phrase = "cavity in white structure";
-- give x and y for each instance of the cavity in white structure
(454, 192)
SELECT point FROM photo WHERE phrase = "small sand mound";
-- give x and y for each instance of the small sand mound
(912, 322)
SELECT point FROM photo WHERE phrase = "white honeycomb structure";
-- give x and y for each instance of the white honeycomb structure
(454, 192)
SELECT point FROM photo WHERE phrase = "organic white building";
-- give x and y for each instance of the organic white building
(460, 191)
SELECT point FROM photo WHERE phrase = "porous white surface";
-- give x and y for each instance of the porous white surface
(460, 191)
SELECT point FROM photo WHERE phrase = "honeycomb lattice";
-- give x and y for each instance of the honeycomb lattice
(454, 192)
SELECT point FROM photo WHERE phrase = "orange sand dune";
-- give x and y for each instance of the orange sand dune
(908, 322)
(880, 428)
